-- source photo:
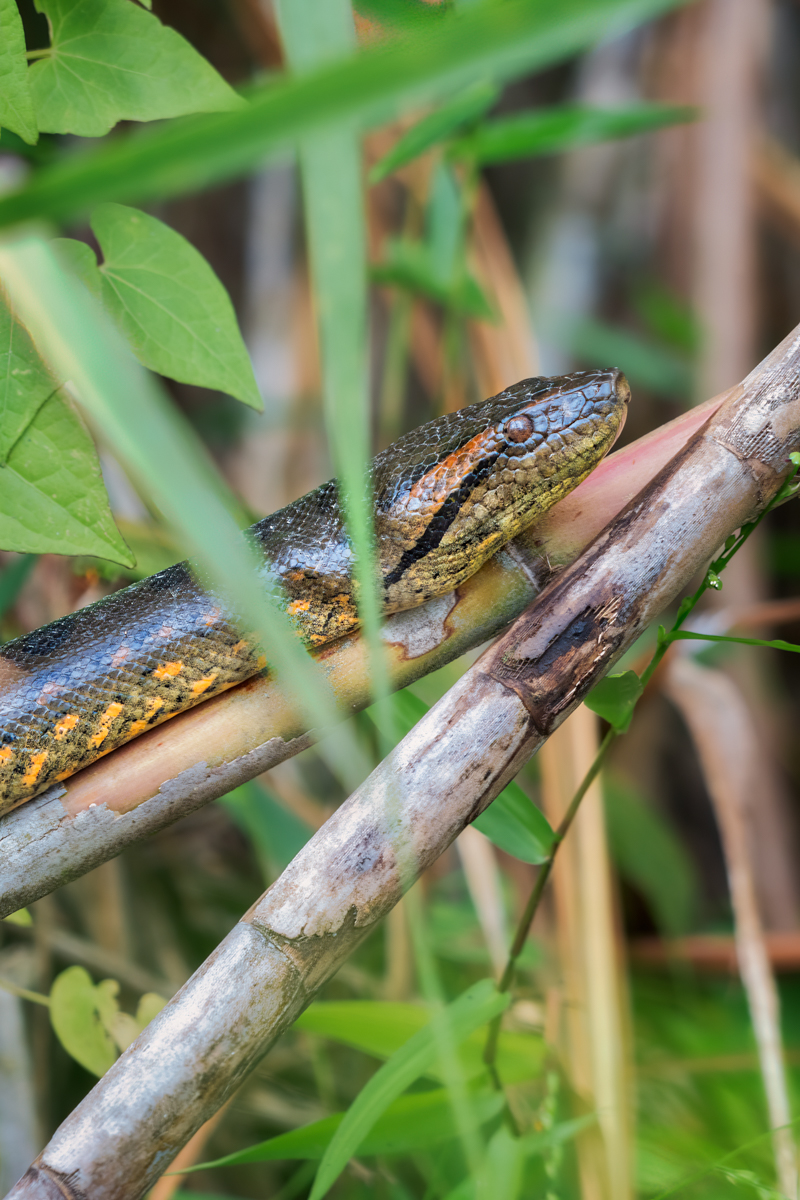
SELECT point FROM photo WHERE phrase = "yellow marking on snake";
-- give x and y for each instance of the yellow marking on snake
(35, 769)
(104, 724)
(65, 725)
(202, 685)
(168, 670)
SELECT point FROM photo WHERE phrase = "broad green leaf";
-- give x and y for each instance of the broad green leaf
(75, 1005)
(549, 130)
(52, 496)
(381, 1028)
(25, 382)
(649, 855)
(411, 1123)
(498, 41)
(437, 126)
(472, 1009)
(16, 106)
(517, 826)
(614, 699)
(111, 61)
(444, 226)
(168, 302)
(20, 917)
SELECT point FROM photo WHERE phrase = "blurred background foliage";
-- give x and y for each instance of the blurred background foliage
(630, 201)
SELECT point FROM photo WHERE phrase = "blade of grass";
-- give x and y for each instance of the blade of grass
(496, 40)
(472, 1009)
(125, 404)
(336, 231)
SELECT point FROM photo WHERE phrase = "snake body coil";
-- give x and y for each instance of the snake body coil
(446, 497)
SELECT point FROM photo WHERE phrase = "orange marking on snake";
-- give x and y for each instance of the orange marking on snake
(35, 769)
(168, 670)
(239, 647)
(64, 725)
(202, 685)
(298, 606)
(104, 724)
(212, 616)
(138, 727)
(5, 754)
(460, 461)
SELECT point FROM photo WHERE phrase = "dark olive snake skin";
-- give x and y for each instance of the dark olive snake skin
(446, 497)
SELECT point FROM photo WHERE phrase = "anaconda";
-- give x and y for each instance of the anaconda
(445, 497)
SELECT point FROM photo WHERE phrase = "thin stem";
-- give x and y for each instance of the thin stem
(526, 920)
(23, 993)
(45, 53)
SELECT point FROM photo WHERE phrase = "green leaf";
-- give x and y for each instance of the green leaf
(645, 362)
(52, 496)
(438, 125)
(20, 917)
(614, 699)
(408, 265)
(149, 1006)
(381, 1028)
(277, 834)
(516, 825)
(650, 856)
(411, 1123)
(82, 261)
(12, 577)
(16, 106)
(112, 61)
(472, 1009)
(25, 382)
(549, 130)
(75, 1005)
(168, 302)
(500, 41)
(684, 635)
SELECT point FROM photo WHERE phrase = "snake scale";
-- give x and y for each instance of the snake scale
(446, 496)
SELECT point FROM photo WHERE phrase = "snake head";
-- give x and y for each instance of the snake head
(451, 493)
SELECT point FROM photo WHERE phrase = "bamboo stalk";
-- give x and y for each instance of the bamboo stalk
(725, 738)
(435, 782)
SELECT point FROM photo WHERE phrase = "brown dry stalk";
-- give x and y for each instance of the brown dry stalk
(437, 780)
(725, 738)
(202, 754)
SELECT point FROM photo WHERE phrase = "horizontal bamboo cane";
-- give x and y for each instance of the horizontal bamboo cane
(199, 756)
(438, 779)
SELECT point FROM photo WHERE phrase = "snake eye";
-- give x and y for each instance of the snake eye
(519, 428)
